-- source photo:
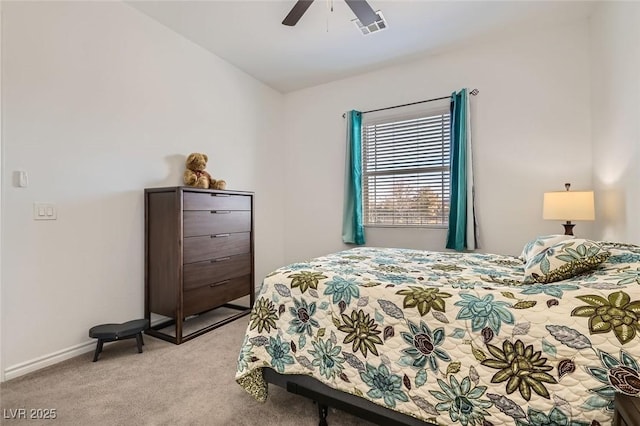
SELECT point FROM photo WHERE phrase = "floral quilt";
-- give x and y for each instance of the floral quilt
(453, 337)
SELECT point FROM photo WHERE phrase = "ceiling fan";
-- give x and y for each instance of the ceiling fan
(360, 8)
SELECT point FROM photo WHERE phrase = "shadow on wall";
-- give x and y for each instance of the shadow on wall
(175, 169)
(176, 165)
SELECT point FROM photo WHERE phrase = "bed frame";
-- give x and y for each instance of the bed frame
(327, 397)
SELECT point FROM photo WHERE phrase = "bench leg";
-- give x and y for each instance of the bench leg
(98, 350)
(140, 342)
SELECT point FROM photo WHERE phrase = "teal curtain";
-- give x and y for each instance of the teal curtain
(461, 234)
(352, 221)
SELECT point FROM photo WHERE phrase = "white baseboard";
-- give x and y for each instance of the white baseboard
(46, 360)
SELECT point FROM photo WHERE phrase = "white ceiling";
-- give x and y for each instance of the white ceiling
(325, 45)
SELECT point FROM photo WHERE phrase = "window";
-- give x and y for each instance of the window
(405, 176)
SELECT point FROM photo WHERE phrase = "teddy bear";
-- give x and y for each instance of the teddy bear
(218, 184)
(195, 175)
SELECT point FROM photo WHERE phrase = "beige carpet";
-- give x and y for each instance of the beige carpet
(188, 384)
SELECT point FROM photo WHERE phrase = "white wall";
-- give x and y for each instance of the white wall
(99, 102)
(531, 134)
(615, 85)
(1, 197)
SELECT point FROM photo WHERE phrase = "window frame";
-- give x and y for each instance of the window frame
(416, 113)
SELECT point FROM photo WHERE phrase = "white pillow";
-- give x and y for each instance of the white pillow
(564, 260)
(540, 244)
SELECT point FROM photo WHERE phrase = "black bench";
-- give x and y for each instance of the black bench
(113, 332)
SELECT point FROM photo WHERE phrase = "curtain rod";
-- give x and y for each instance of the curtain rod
(474, 92)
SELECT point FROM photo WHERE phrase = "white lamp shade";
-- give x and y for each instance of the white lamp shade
(568, 205)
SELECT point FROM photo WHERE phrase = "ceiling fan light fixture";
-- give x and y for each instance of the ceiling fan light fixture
(379, 24)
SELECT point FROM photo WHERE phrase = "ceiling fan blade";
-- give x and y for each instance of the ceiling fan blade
(363, 11)
(296, 12)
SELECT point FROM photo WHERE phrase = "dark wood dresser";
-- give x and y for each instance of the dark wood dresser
(198, 256)
(627, 410)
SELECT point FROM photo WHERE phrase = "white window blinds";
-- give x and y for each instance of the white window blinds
(406, 171)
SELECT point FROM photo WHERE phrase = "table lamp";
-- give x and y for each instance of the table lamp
(568, 205)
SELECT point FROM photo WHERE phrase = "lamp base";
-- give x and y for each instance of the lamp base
(568, 228)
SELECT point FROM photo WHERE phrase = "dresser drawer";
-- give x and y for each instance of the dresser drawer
(209, 222)
(212, 271)
(197, 249)
(214, 295)
(215, 201)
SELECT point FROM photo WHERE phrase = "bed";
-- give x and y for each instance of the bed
(445, 338)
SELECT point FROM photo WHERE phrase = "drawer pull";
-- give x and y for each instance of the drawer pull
(220, 195)
(220, 259)
(220, 211)
(220, 235)
(220, 283)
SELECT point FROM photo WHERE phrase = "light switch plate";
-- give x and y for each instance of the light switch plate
(23, 179)
(44, 211)
(20, 179)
